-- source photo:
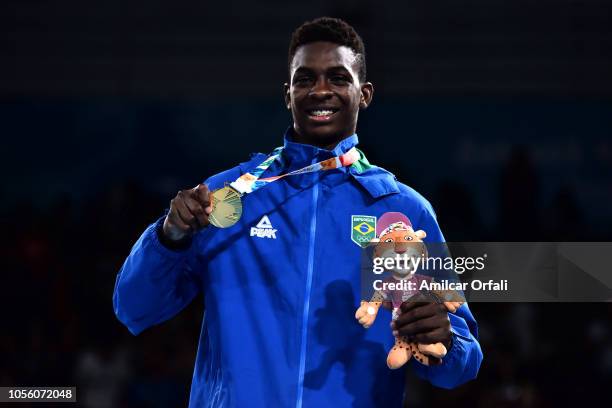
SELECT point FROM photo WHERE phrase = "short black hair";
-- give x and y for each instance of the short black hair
(333, 30)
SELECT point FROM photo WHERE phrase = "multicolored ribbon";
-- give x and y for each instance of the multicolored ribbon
(249, 182)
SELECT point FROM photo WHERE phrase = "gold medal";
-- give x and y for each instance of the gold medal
(226, 207)
(226, 204)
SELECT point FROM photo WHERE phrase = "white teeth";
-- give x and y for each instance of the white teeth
(322, 112)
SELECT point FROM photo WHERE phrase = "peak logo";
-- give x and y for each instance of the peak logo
(264, 229)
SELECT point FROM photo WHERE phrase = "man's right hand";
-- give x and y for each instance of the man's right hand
(189, 212)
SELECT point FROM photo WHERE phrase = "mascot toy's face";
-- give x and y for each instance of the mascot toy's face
(403, 243)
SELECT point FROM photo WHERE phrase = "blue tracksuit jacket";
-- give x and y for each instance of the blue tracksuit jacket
(279, 328)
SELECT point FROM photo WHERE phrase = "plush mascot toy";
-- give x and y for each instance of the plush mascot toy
(396, 237)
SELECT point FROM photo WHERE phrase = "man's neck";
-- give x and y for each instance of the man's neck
(325, 143)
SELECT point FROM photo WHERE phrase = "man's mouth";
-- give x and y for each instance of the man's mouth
(321, 114)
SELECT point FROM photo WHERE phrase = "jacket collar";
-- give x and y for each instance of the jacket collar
(299, 155)
(377, 181)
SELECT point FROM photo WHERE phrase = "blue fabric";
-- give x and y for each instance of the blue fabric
(279, 327)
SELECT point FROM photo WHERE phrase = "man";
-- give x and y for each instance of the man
(281, 285)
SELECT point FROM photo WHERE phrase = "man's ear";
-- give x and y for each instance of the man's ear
(287, 96)
(367, 92)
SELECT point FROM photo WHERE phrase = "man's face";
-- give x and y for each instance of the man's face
(325, 94)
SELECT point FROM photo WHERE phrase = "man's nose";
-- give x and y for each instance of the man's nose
(321, 89)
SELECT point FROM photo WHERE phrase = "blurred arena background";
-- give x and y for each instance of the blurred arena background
(497, 111)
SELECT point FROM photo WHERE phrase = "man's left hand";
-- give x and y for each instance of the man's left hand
(424, 321)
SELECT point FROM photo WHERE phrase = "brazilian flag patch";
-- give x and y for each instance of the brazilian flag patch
(363, 229)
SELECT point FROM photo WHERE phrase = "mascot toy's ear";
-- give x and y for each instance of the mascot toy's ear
(421, 234)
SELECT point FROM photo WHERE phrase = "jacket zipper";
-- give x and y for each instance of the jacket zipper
(309, 273)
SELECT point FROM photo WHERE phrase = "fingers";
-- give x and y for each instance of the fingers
(196, 210)
(202, 195)
(424, 325)
(417, 312)
(188, 213)
(435, 336)
(184, 212)
(424, 321)
(179, 215)
(175, 228)
(415, 301)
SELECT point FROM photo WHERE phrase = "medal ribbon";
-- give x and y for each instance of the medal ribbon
(249, 182)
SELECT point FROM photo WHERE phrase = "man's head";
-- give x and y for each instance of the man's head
(327, 86)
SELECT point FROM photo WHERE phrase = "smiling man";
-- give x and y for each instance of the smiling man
(282, 281)
(327, 88)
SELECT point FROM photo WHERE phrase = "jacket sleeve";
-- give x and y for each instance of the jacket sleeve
(463, 360)
(154, 283)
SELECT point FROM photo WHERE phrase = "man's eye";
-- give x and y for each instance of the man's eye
(408, 238)
(389, 240)
(339, 79)
(301, 80)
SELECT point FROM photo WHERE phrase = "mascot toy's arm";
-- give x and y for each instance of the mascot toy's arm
(366, 314)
